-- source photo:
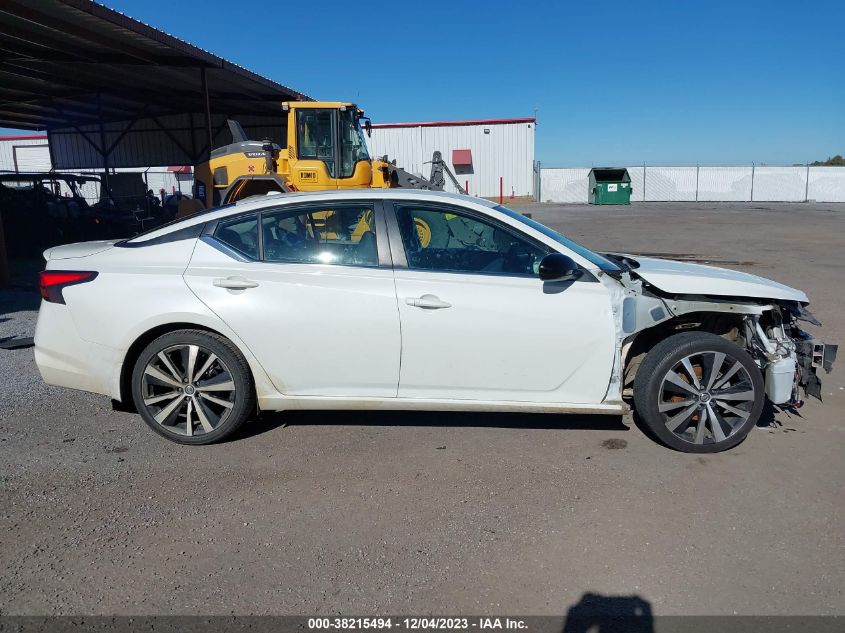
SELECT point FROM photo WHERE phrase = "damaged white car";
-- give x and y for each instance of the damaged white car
(398, 299)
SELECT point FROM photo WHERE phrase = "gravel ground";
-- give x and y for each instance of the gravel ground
(373, 513)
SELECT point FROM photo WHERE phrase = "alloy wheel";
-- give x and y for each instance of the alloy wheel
(188, 389)
(706, 397)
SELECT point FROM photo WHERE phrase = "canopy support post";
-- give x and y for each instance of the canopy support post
(207, 104)
(102, 149)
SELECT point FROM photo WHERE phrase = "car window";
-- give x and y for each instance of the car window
(335, 235)
(241, 234)
(436, 239)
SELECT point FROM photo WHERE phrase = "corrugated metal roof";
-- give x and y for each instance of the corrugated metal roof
(70, 62)
(69, 66)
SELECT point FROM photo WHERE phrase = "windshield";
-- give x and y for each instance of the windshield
(353, 147)
(602, 262)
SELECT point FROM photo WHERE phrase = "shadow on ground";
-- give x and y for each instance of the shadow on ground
(766, 420)
(272, 420)
(13, 299)
(21, 294)
(609, 614)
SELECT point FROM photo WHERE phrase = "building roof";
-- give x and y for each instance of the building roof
(454, 123)
(114, 92)
(59, 55)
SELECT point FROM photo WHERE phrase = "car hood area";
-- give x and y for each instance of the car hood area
(696, 279)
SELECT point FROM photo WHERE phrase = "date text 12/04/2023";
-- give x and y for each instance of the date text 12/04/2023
(417, 623)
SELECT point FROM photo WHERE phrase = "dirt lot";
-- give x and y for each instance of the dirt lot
(374, 513)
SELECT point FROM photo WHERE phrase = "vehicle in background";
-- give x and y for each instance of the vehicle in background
(332, 300)
(45, 209)
(171, 202)
(324, 148)
(126, 206)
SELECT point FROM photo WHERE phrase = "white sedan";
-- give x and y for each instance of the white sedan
(397, 299)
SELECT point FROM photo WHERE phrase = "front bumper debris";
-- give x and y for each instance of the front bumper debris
(813, 355)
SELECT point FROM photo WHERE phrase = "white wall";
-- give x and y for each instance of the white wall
(826, 184)
(724, 184)
(506, 150)
(24, 154)
(565, 185)
(706, 184)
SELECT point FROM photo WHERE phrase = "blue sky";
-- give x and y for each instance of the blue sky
(614, 82)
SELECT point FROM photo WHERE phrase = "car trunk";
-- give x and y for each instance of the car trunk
(79, 249)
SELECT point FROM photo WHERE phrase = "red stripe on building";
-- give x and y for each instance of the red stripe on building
(454, 123)
(25, 137)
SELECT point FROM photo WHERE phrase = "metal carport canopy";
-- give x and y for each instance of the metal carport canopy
(114, 92)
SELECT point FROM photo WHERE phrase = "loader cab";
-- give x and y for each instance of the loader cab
(327, 148)
(322, 146)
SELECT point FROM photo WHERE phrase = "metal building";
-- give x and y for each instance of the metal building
(481, 153)
(24, 153)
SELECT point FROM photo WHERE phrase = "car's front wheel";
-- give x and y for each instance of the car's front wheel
(698, 392)
(192, 386)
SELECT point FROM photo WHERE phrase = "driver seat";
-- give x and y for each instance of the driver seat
(367, 252)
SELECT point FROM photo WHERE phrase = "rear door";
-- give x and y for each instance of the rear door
(310, 290)
(479, 324)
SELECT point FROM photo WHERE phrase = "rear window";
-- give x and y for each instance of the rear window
(138, 240)
(241, 234)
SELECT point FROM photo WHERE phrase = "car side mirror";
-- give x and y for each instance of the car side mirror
(559, 267)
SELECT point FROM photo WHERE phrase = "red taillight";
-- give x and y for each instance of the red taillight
(52, 282)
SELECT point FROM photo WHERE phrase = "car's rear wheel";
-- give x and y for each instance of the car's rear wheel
(698, 392)
(192, 387)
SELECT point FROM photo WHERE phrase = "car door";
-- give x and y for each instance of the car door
(479, 324)
(310, 291)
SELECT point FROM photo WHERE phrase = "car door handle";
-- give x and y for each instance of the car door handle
(235, 283)
(429, 302)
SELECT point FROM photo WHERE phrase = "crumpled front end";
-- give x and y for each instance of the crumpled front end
(767, 328)
(788, 356)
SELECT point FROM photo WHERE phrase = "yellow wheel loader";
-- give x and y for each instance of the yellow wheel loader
(325, 148)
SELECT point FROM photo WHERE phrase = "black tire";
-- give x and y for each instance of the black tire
(238, 403)
(653, 384)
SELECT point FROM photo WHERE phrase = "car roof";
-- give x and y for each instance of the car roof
(353, 194)
(277, 198)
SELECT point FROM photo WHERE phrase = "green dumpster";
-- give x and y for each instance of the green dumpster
(610, 185)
